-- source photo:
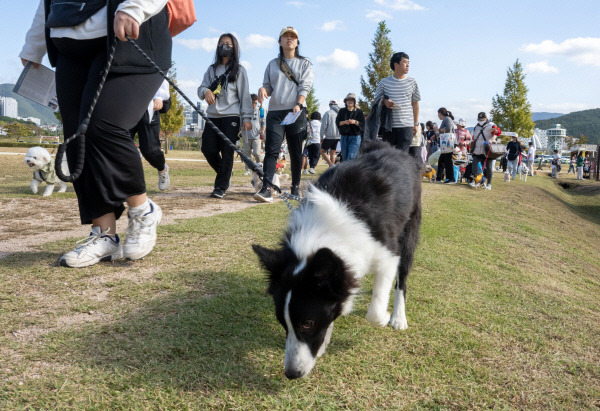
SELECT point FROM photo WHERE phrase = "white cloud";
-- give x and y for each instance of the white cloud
(206, 43)
(333, 25)
(582, 50)
(404, 5)
(259, 41)
(540, 67)
(378, 15)
(296, 3)
(342, 59)
(247, 65)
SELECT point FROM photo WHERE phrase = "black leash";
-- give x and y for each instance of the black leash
(84, 124)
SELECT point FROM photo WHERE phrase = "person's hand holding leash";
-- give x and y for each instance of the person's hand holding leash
(125, 25)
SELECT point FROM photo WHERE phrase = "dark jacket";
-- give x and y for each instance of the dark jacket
(379, 119)
(154, 39)
(513, 148)
(350, 129)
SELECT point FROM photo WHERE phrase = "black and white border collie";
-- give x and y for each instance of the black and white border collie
(361, 216)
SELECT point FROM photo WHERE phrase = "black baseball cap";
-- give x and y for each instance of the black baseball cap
(481, 116)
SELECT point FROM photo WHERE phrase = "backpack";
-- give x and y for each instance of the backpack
(182, 15)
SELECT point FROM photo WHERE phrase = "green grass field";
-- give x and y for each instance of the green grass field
(503, 309)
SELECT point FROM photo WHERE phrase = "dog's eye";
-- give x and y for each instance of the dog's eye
(307, 325)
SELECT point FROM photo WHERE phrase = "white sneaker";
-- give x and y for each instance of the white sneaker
(141, 233)
(164, 181)
(488, 186)
(311, 170)
(304, 171)
(473, 184)
(93, 249)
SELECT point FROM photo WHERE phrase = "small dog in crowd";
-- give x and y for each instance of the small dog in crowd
(523, 171)
(361, 216)
(429, 173)
(40, 160)
(506, 177)
(280, 166)
(257, 182)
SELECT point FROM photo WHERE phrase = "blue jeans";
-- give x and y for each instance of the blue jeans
(512, 167)
(350, 146)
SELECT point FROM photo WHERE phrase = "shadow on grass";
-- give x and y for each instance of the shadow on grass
(589, 211)
(190, 340)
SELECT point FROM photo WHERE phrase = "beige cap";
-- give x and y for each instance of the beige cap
(350, 96)
(288, 29)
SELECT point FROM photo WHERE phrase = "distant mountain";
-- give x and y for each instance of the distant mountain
(544, 116)
(586, 122)
(28, 108)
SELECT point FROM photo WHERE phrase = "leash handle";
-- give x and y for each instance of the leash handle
(247, 160)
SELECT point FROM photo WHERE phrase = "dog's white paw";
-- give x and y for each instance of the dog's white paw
(62, 187)
(34, 186)
(378, 318)
(398, 323)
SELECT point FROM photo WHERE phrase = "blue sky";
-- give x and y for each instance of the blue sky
(459, 50)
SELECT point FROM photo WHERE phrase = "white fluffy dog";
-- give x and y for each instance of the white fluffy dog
(523, 171)
(506, 177)
(39, 159)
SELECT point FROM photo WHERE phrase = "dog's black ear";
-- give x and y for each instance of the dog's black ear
(274, 262)
(332, 279)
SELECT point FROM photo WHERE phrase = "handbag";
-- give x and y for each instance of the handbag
(69, 13)
(447, 142)
(182, 15)
(496, 150)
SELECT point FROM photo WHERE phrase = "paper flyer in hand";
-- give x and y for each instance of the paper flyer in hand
(291, 118)
(38, 84)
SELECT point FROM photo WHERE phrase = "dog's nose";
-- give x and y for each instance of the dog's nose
(293, 374)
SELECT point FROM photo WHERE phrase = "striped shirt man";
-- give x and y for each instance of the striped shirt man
(403, 92)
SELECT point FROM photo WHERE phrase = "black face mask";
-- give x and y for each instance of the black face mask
(224, 50)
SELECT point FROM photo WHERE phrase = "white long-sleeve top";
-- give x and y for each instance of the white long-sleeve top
(94, 27)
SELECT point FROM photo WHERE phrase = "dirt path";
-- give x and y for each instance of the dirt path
(27, 223)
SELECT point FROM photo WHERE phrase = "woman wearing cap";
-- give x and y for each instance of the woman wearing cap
(287, 81)
(350, 120)
(483, 135)
(462, 134)
(225, 89)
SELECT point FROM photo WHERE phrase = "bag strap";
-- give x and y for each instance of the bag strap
(285, 68)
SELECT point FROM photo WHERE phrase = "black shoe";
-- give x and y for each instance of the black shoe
(295, 191)
(264, 195)
(217, 193)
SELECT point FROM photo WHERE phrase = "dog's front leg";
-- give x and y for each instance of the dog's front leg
(398, 321)
(34, 186)
(384, 279)
(49, 190)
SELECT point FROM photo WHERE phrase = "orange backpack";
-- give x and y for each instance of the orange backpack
(182, 15)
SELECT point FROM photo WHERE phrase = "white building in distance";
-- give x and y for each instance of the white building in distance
(9, 107)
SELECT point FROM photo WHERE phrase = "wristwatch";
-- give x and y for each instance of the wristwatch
(416, 124)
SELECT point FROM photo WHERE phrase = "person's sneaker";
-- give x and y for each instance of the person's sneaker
(217, 193)
(473, 184)
(264, 195)
(247, 173)
(91, 250)
(488, 187)
(295, 191)
(141, 232)
(304, 171)
(311, 170)
(164, 181)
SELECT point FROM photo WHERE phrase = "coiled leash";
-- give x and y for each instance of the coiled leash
(84, 125)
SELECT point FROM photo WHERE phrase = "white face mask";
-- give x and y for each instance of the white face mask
(481, 123)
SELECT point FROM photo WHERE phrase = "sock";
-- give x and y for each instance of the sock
(139, 210)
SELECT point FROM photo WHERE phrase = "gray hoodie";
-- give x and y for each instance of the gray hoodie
(233, 101)
(283, 91)
(329, 130)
